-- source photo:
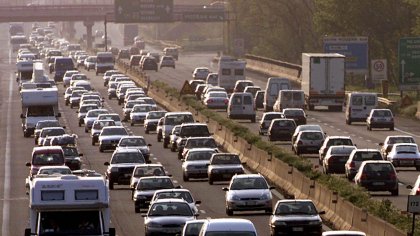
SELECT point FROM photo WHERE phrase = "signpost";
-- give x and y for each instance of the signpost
(413, 206)
(354, 48)
(378, 70)
(186, 88)
(409, 60)
(143, 11)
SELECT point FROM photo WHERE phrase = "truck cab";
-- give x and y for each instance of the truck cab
(69, 205)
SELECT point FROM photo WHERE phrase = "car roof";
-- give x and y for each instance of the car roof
(173, 190)
(244, 176)
(229, 224)
(113, 127)
(201, 150)
(376, 162)
(338, 137)
(47, 148)
(343, 232)
(156, 177)
(148, 165)
(170, 200)
(53, 167)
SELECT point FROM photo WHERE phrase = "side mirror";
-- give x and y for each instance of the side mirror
(198, 202)
(22, 116)
(80, 154)
(179, 186)
(106, 163)
(225, 189)
(208, 164)
(149, 145)
(64, 93)
(321, 212)
(28, 164)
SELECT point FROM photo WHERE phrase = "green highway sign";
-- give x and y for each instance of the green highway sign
(409, 61)
(143, 11)
(204, 15)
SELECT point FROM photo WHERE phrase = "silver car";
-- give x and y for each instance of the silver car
(223, 166)
(308, 142)
(177, 193)
(195, 163)
(248, 192)
(216, 99)
(139, 112)
(91, 116)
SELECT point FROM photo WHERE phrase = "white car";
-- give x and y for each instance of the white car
(139, 112)
(91, 116)
(90, 62)
(167, 61)
(195, 163)
(138, 142)
(405, 155)
(177, 193)
(67, 77)
(111, 116)
(200, 73)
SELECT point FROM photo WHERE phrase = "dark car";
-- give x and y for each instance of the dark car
(296, 114)
(336, 158)
(377, 176)
(223, 166)
(295, 217)
(134, 60)
(72, 158)
(281, 129)
(146, 187)
(149, 64)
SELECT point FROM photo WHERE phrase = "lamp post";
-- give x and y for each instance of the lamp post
(106, 35)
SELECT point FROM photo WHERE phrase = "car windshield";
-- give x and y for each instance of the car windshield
(339, 141)
(406, 149)
(95, 113)
(312, 136)
(70, 152)
(149, 171)
(225, 159)
(296, 208)
(342, 150)
(101, 124)
(128, 157)
(155, 115)
(393, 140)
(131, 104)
(114, 131)
(155, 183)
(48, 159)
(283, 123)
(170, 209)
(109, 117)
(248, 183)
(51, 171)
(52, 132)
(197, 143)
(132, 142)
(200, 156)
(178, 119)
(85, 109)
(269, 117)
(230, 233)
(45, 124)
(174, 194)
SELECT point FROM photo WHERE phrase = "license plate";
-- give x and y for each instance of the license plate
(250, 203)
(406, 162)
(226, 176)
(378, 183)
(297, 229)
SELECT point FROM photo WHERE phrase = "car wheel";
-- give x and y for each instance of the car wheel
(210, 181)
(146, 131)
(185, 178)
(86, 130)
(229, 212)
(71, 105)
(132, 124)
(101, 149)
(67, 103)
(173, 149)
(111, 185)
(165, 144)
(93, 142)
(109, 97)
(391, 128)
(136, 209)
(159, 138)
(26, 134)
(395, 192)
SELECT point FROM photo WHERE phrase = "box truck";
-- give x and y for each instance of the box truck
(323, 80)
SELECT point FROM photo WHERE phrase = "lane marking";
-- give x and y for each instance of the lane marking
(202, 211)
(405, 132)
(7, 154)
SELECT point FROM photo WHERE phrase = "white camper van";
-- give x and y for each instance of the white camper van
(274, 85)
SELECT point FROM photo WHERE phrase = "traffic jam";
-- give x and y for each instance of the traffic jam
(67, 198)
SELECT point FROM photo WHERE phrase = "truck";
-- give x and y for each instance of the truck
(230, 70)
(69, 205)
(38, 102)
(130, 31)
(323, 77)
(16, 29)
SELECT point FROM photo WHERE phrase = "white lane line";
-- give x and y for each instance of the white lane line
(7, 154)
(202, 211)
(338, 129)
(405, 132)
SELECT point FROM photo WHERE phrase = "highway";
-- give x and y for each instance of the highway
(16, 150)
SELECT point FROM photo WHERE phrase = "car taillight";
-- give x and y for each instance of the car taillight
(352, 165)
(226, 101)
(392, 176)
(418, 191)
(331, 160)
(209, 101)
(363, 177)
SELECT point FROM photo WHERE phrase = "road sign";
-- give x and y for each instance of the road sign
(354, 48)
(413, 204)
(378, 70)
(409, 60)
(186, 88)
(204, 15)
(143, 11)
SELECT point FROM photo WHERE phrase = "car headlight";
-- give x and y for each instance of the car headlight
(315, 222)
(234, 197)
(266, 196)
(153, 224)
(280, 223)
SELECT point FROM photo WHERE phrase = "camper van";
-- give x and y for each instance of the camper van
(230, 70)
(359, 105)
(274, 85)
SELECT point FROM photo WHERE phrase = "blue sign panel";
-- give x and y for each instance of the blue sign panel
(354, 48)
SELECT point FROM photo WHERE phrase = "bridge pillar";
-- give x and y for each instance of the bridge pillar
(89, 38)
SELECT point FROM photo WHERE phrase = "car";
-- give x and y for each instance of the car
(152, 118)
(405, 155)
(110, 137)
(83, 109)
(197, 142)
(223, 166)
(134, 60)
(380, 118)
(54, 170)
(298, 114)
(300, 128)
(90, 63)
(173, 137)
(137, 142)
(108, 74)
(124, 54)
(193, 227)
(386, 146)
(241, 84)
(216, 100)
(343, 233)
(333, 141)
(177, 193)
(195, 162)
(50, 132)
(308, 142)
(336, 158)
(171, 51)
(266, 119)
(259, 99)
(111, 116)
(45, 156)
(167, 61)
(211, 88)
(144, 170)
(96, 102)
(121, 166)
(97, 128)
(128, 107)
(72, 157)
(139, 112)
(67, 77)
(81, 60)
(188, 130)
(75, 96)
(173, 213)
(356, 158)
(228, 226)
(91, 116)
(200, 73)
(199, 90)
(77, 77)
(281, 129)
(169, 121)
(146, 187)
(377, 176)
(295, 216)
(149, 63)
(248, 192)
(44, 124)
(252, 89)
(194, 83)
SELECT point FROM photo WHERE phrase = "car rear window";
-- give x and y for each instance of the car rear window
(247, 100)
(365, 156)
(378, 167)
(338, 142)
(311, 136)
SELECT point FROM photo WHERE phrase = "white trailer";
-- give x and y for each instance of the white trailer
(323, 80)
(24, 71)
(69, 205)
(230, 70)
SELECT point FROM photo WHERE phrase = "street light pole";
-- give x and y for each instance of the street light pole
(106, 35)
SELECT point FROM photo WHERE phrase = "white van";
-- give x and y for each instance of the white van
(242, 106)
(289, 99)
(228, 226)
(359, 105)
(274, 85)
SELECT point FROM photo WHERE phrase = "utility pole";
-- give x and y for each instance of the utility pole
(106, 35)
